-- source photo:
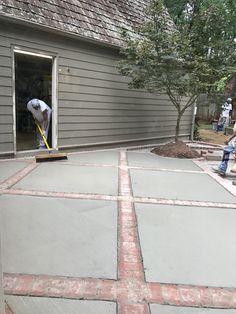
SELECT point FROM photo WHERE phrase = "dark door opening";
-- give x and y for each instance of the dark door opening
(33, 79)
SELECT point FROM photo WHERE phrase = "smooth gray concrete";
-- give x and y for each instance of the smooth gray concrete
(153, 160)
(2, 311)
(180, 186)
(59, 236)
(98, 157)
(71, 178)
(165, 309)
(8, 168)
(32, 305)
(188, 245)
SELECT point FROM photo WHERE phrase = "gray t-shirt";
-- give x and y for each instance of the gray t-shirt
(38, 114)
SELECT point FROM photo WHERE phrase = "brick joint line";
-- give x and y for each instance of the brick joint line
(125, 290)
(126, 197)
(8, 183)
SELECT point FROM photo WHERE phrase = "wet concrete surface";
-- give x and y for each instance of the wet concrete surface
(77, 219)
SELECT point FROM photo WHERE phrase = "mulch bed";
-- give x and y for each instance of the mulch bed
(176, 150)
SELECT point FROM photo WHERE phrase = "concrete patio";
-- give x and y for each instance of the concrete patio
(117, 231)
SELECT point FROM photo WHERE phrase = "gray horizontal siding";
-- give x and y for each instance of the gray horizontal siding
(120, 125)
(115, 138)
(110, 98)
(65, 121)
(5, 71)
(6, 112)
(6, 147)
(95, 104)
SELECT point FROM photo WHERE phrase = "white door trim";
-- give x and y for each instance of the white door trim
(54, 119)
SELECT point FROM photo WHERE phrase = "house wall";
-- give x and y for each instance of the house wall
(95, 105)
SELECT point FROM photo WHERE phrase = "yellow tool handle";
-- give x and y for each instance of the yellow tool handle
(44, 138)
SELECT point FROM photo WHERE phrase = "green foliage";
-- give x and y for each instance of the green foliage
(196, 134)
(220, 85)
(183, 49)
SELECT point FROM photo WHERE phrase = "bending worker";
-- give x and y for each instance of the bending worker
(42, 115)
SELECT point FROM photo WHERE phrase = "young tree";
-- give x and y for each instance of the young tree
(183, 48)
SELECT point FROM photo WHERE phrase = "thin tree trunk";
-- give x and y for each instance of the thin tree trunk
(177, 126)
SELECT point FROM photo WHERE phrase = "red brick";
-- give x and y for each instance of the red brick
(90, 288)
(107, 290)
(205, 296)
(133, 309)
(18, 284)
(129, 258)
(190, 296)
(155, 293)
(223, 298)
(132, 291)
(170, 294)
(128, 235)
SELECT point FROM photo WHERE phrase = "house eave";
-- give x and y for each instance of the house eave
(56, 31)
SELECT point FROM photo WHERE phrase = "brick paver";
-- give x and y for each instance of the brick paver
(131, 290)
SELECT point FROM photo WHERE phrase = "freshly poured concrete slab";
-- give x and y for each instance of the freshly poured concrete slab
(70, 178)
(9, 168)
(98, 157)
(29, 305)
(180, 186)
(59, 236)
(188, 245)
(153, 160)
(165, 309)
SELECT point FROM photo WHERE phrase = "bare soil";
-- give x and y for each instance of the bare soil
(176, 150)
(211, 136)
(181, 150)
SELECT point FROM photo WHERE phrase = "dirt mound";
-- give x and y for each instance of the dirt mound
(177, 150)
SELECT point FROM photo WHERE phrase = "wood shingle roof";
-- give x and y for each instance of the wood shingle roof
(99, 20)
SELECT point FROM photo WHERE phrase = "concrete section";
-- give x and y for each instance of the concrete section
(98, 157)
(180, 186)
(8, 168)
(29, 305)
(70, 178)
(188, 245)
(59, 236)
(1, 283)
(165, 309)
(153, 160)
(215, 155)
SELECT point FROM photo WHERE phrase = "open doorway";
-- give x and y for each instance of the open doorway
(33, 79)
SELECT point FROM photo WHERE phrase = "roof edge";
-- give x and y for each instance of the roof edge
(58, 32)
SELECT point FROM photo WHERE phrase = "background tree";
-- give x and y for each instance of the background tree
(183, 49)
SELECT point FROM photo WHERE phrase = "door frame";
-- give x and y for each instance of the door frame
(54, 117)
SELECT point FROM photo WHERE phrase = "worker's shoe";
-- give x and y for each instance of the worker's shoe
(234, 182)
(218, 170)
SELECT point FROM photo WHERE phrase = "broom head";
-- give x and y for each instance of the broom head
(50, 157)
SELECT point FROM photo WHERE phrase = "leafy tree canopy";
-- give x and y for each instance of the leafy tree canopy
(184, 48)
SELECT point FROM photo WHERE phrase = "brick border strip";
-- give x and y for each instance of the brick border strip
(125, 198)
(8, 183)
(8, 310)
(129, 293)
(133, 290)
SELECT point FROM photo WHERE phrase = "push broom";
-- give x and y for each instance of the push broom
(51, 156)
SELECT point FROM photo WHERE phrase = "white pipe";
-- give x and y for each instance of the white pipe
(193, 120)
